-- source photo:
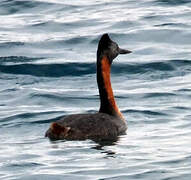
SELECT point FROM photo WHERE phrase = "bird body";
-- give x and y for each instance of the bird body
(109, 122)
(97, 126)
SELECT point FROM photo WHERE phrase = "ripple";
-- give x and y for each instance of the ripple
(17, 59)
(16, 6)
(157, 95)
(75, 69)
(173, 2)
(145, 112)
(11, 44)
(32, 118)
(50, 70)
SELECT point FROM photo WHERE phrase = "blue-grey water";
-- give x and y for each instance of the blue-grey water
(47, 70)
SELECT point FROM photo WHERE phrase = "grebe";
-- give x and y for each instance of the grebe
(109, 122)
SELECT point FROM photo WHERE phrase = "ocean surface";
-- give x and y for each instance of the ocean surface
(47, 70)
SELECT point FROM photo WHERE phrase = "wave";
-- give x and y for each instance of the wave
(173, 2)
(18, 59)
(49, 70)
(15, 6)
(144, 112)
(32, 118)
(10, 44)
(170, 67)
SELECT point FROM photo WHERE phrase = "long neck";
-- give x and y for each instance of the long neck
(108, 104)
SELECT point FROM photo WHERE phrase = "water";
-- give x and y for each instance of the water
(47, 70)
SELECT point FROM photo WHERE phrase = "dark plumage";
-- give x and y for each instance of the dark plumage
(98, 126)
(108, 123)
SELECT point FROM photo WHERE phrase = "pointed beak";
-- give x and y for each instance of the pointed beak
(124, 51)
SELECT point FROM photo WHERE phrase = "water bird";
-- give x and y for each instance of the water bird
(108, 123)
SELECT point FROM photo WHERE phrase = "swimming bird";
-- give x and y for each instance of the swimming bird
(108, 123)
